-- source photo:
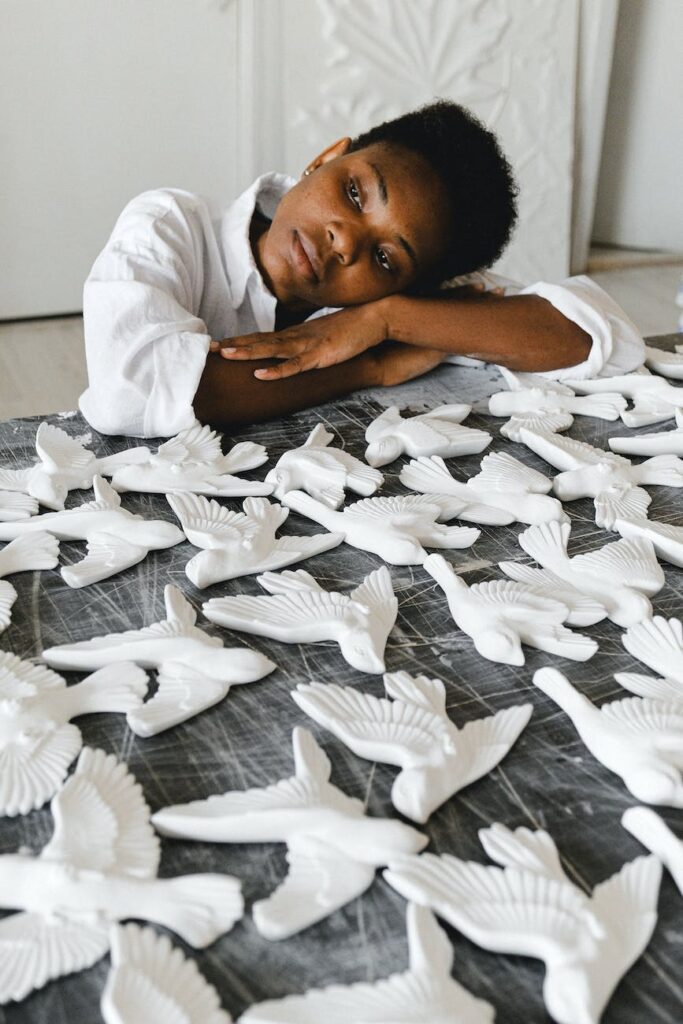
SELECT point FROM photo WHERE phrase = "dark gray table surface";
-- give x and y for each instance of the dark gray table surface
(549, 779)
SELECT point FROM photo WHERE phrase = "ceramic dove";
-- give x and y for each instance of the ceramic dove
(64, 465)
(648, 828)
(610, 479)
(116, 538)
(529, 907)
(658, 643)
(100, 866)
(8, 596)
(654, 399)
(501, 615)
(322, 471)
(193, 461)
(16, 505)
(298, 610)
(414, 732)
(152, 982)
(638, 738)
(195, 670)
(240, 543)
(397, 529)
(37, 741)
(505, 491)
(424, 994)
(668, 442)
(666, 539)
(667, 364)
(333, 849)
(438, 432)
(540, 403)
(620, 576)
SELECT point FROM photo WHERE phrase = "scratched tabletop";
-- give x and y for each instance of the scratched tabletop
(549, 780)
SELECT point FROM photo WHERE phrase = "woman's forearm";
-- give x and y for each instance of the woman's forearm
(522, 332)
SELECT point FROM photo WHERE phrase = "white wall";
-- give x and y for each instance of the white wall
(640, 192)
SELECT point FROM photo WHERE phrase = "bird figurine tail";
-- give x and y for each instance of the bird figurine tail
(113, 688)
(199, 908)
(546, 542)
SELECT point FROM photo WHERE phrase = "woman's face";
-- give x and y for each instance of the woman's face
(359, 226)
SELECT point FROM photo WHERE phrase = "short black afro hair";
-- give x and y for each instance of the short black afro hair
(475, 172)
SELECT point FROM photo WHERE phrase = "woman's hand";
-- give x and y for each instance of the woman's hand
(311, 345)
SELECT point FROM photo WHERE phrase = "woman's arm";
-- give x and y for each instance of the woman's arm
(229, 395)
(523, 332)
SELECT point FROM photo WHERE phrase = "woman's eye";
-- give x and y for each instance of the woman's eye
(383, 260)
(354, 194)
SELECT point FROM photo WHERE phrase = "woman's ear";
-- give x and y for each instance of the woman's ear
(338, 148)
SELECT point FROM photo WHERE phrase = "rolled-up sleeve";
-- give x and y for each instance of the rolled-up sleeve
(146, 346)
(616, 343)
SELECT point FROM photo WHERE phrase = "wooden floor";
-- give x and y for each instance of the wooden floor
(42, 362)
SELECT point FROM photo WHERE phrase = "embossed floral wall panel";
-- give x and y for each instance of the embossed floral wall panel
(345, 64)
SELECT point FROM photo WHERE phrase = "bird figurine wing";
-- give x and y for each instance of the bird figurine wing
(319, 437)
(401, 509)
(292, 581)
(515, 601)
(58, 451)
(16, 479)
(620, 503)
(151, 981)
(8, 596)
(390, 417)
(37, 549)
(420, 691)
(661, 689)
(501, 472)
(20, 679)
(295, 549)
(523, 848)
(658, 643)
(281, 616)
(209, 524)
(630, 563)
(373, 727)
(565, 453)
(626, 906)
(376, 593)
(30, 773)
(537, 422)
(182, 693)
(106, 555)
(318, 882)
(106, 498)
(503, 910)
(243, 456)
(197, 444)
(483, 743)
(35, 949)
(15, 505)
(663, 720)
(583, 611)
(102, 820)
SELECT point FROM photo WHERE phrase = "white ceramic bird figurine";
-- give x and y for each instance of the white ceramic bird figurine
(413, 732)
(540, 403)
(668, 442)
(398, 529)
(438, 432)
(667, 364)
(193, 461)
(240, 543)
(115, 537)
(654, 399)
(195, 670)
(322, 471)
(100, 866)
(424, 994)
(504, 491)
(501, 615)
(529, 907)
(64, 465)
(16, 505)
(666, 539)
(37, 741)
(610, 479)
(648, 828)
(333, 849)
(638, 738)
(297, 610)
(24, 555)
(620, 576)
(658, 643)
(152, 982)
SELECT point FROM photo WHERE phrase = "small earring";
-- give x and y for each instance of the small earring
(308, 171)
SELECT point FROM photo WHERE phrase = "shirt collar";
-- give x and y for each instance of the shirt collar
(266, 192)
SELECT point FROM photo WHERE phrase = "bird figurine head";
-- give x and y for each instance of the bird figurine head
(363, 651)
(281, 478)
(154, 533)
(502, 645)
(570, 997)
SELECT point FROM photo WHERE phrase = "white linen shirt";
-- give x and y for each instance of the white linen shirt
(171, 278)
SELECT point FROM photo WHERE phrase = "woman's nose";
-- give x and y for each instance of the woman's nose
(344, 241)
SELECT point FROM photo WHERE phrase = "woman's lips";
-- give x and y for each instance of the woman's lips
(301, 259)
